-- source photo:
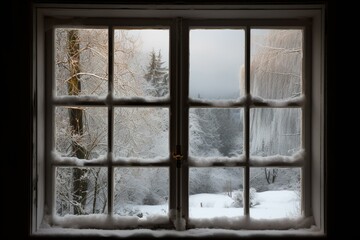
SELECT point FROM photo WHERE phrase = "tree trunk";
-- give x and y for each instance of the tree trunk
(95, 189)
(76, 122)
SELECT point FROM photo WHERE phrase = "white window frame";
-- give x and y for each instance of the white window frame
(240, 16)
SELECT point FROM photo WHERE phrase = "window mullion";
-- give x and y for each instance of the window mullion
(110, 119)
(247, 123)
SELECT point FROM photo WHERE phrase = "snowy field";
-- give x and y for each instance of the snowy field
(270, 204)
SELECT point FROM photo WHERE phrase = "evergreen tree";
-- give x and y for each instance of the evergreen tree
(157, 76)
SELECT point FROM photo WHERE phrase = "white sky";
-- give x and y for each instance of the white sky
(216, 56)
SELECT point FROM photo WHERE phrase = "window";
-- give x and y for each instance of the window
(174, 122)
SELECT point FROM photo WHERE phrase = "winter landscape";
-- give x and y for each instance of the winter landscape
(141, 70)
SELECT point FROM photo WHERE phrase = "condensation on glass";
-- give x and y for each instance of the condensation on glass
(275, 131)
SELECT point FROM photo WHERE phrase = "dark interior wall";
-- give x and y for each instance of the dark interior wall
(18, 76)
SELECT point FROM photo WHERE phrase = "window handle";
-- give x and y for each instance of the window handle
(177, 154)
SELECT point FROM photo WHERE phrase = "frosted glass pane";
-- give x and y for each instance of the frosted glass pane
(276, 63)
(275, 131)
(141, 132)
(141, 192)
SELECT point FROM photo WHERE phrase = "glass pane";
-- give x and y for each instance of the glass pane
(275, 193)
(141, 132)
(216, 63)
(141, 63)
(81, 131)
(215, 192)
(215, 132)
(81, 191)
(81, 61)
(275, 131)
(141, 192)
(276, 63)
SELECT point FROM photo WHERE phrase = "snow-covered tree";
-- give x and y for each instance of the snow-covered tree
(204, 134)
(157, 76)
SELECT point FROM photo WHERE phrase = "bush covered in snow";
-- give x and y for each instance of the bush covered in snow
(239, 199)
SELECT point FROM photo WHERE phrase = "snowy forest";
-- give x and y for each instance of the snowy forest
(81, 69)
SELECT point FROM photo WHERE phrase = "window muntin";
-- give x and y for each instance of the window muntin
(232, 104)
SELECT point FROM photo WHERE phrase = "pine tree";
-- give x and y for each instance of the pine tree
(157, 76)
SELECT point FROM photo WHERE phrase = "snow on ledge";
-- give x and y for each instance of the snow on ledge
(296, 159)
(71, 99)
(218, 103)
(250, 227)
(296, 101)
(209, 161)
(129, 160)
(74, 161)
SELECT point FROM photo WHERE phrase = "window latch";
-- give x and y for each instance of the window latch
(177, 154)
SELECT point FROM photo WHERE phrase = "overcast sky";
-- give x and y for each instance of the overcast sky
(216, 57)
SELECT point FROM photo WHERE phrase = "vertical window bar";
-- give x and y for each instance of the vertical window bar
(173, 114)
(49, 119)
(247, 122)
(184, 83)
(306, 123)
(110, 119)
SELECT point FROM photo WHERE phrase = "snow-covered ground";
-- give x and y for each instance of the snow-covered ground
(271, 204)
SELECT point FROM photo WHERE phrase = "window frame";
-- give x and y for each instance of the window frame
(312, 119)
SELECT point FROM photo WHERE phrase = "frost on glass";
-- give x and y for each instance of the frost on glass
(275, 131)
(81, 61)
(215, 67)
(215, 132)
(141, 133)
(215, 192)
(80, 191)
(276, 63)
(141, 63)
(141, 192)
(81, 131)
(275, 193)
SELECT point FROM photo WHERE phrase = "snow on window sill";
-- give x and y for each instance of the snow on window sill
(219, 227)
(198, 232)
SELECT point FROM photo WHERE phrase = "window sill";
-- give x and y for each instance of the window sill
(199, 232)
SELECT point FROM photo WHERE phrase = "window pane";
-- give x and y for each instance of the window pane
(141, 63)
(81, 191)
(81, 131)
(215, 192)
(81, 61)
(216, 63)
(276, 63)
(141, 132)
(141, 192)
(275, 131)
(275, 193)
(215, 132)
